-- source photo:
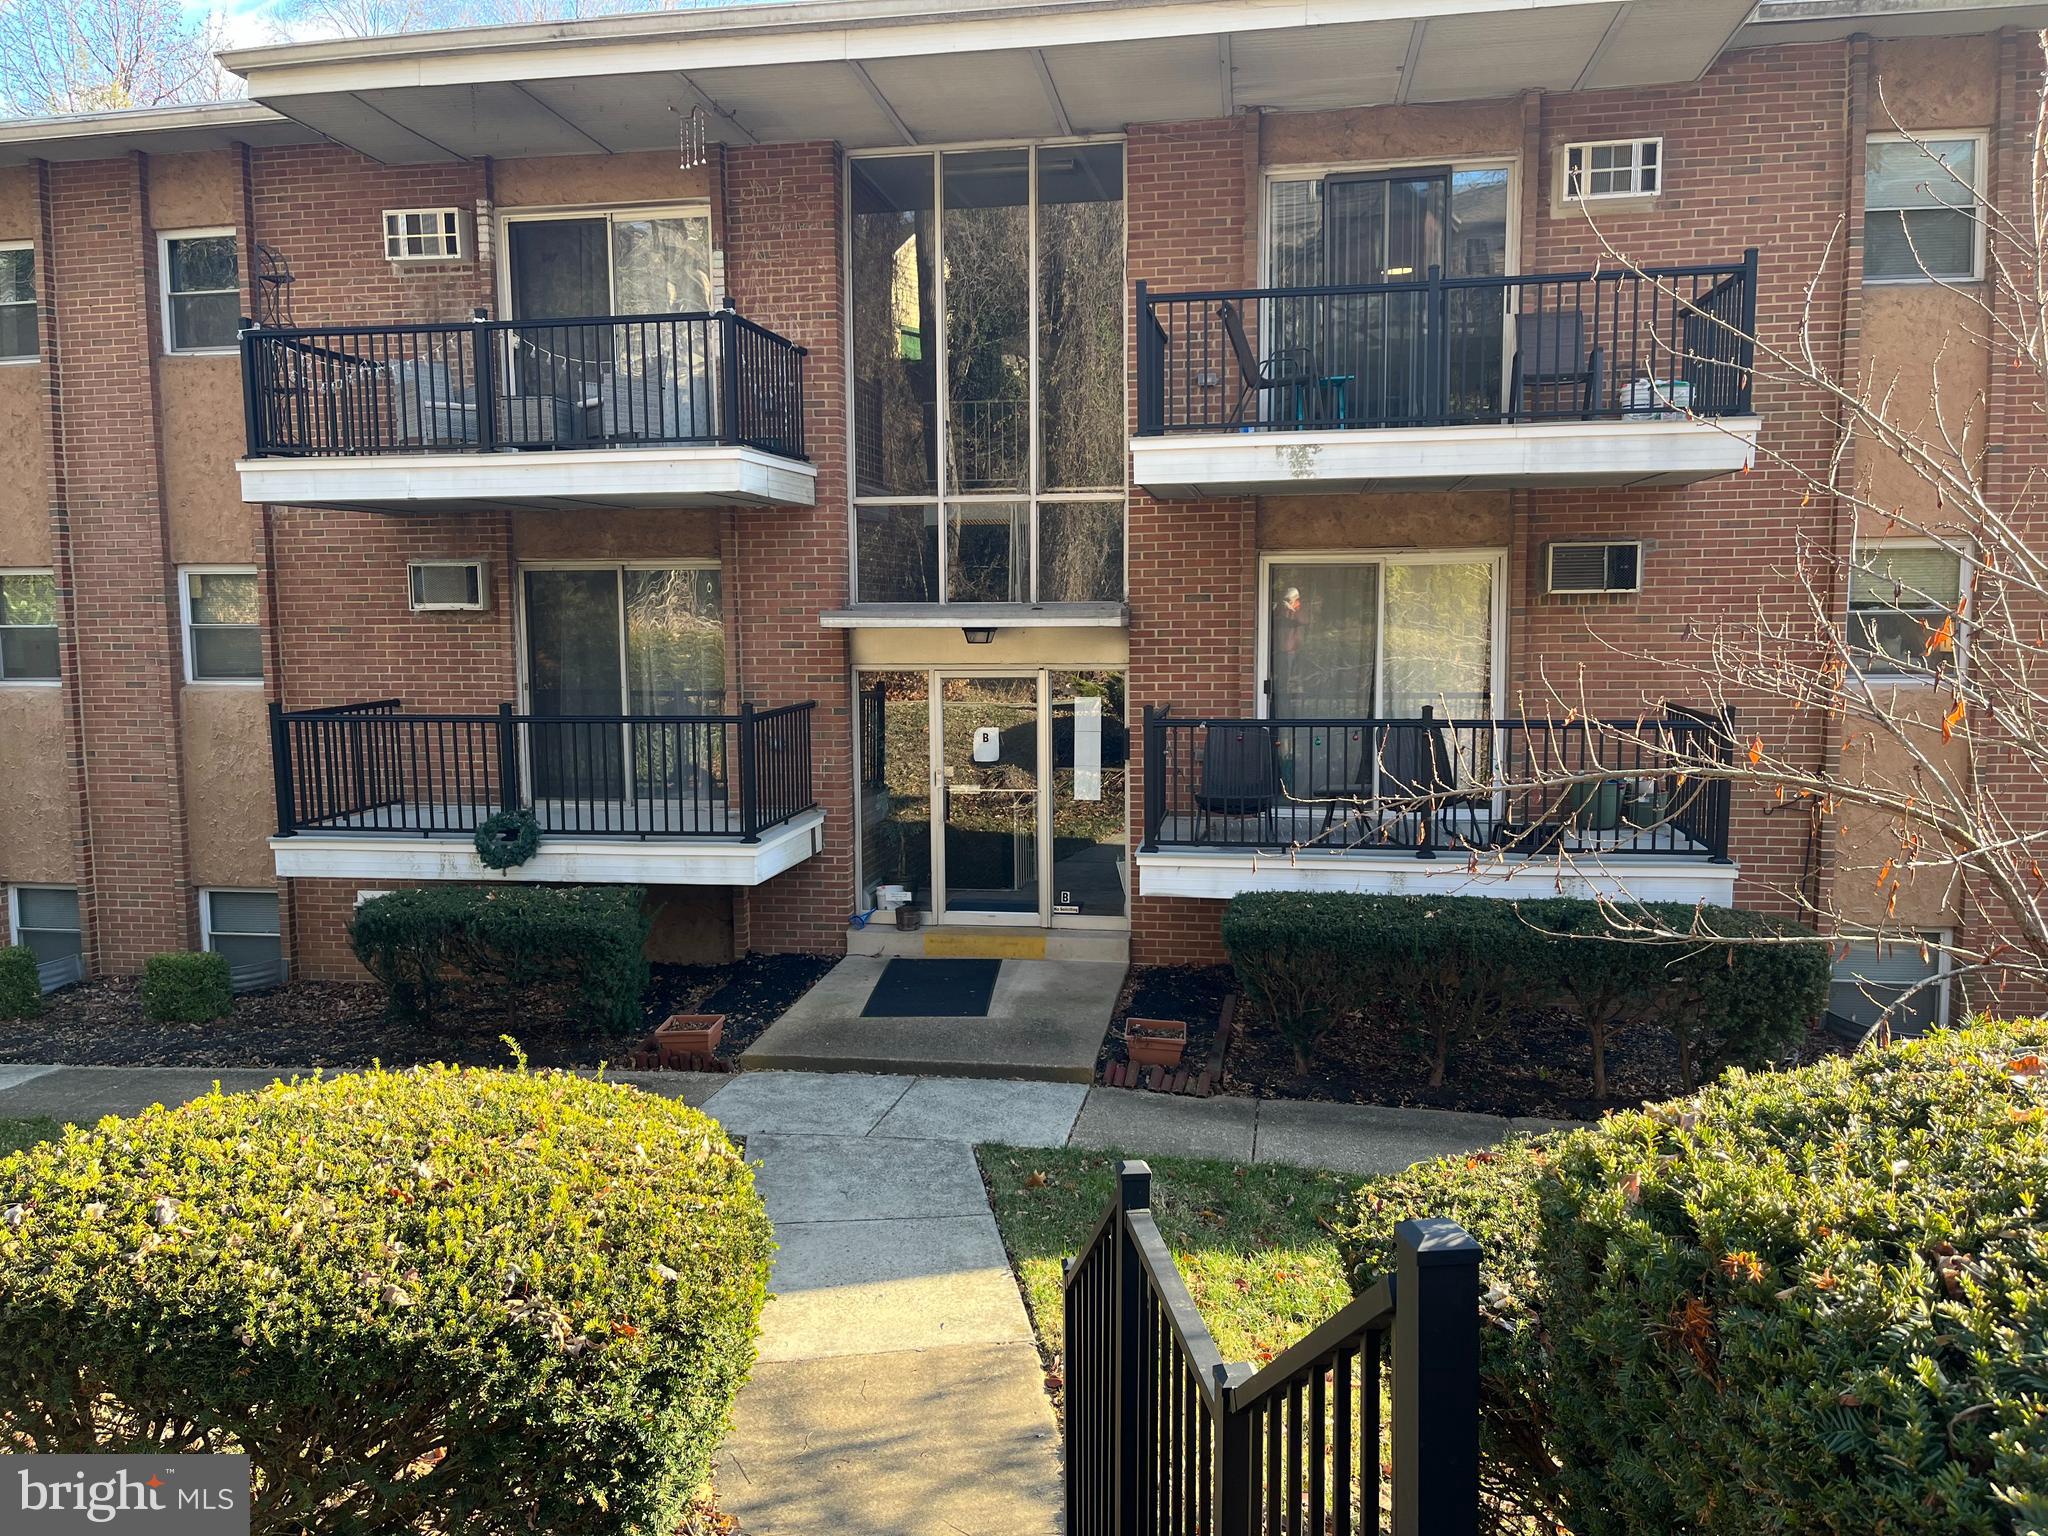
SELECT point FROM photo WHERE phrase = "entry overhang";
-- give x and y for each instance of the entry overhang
(1195, 466)
(876, 73)
(567, 479)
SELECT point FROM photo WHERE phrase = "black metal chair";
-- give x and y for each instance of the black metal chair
(1240, 777)
(1284, 369)
(1418, 775)
(1556, 374)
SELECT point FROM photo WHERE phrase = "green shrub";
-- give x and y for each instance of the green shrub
(1454, 964)
(21, 990)
(422, 943)
(1797, 1302)
(186, 988)
(423, 1301)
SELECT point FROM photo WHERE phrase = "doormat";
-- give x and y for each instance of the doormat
(911, 989)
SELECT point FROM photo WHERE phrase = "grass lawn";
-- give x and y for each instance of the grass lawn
(1251, 1241)
(16, 1134)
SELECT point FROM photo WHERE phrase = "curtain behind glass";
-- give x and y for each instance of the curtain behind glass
(1323, 639)
(894, 297)
(572, 668)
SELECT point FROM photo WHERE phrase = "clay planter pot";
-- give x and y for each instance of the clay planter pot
(686, 1037)
(1155, 1042)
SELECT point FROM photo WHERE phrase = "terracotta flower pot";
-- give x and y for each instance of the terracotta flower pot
(1155, 1042)
(686, 1037)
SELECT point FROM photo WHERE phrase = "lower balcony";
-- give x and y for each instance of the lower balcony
(371, 792)
(1435, 806)
(618, 411)
(1610, 378)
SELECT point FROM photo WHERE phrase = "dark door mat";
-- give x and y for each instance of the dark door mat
(911, 989)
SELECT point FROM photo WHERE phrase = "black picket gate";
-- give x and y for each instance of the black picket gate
(1166, 1439)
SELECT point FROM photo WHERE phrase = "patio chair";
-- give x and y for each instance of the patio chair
(1284, 369)
(1240, 778)
(1556, 374)
(433, 411)
(1418, 776)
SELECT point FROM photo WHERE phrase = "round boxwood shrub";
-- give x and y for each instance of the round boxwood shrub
(186, 987)
(429, 1301)
(1797, 1302)
(21, 989)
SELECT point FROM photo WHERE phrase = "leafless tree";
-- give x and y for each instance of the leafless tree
(60, 56)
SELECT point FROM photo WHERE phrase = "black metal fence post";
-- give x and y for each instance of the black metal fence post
(729, 377)
(483, 343)
(1151, 360)
(750, 809)
(1745, 349)
(252, 389)
(1133, 1193)
(1155, 774)
(1436, 354)
(1436, 1380)
(508, 759)
(281, 769)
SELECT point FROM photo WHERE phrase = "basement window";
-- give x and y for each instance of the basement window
(45, 920)
(1905, 978)
(242, 926)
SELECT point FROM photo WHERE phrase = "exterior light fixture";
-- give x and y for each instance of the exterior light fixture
(978, 636)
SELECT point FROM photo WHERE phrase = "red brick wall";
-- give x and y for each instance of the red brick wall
(1193, 565)
(137, 898)
(782, 221)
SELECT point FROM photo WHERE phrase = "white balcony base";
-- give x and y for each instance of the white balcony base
(564, 479)
(1502, 455)
(1217, 875)
(561, 860)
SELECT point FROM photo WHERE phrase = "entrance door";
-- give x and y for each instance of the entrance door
(989, 797)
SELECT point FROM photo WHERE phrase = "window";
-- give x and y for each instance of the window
(242, 926)
(988, 375)
(1907, 976)
(223, 626)
(202, 291)
(45, 918)
(18, 340)
(28, 627)
(1903, 600)
(1613, 168)
(423, 234)
(1920, 209)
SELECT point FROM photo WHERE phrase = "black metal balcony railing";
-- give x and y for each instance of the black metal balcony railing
(372, 768)
(1428, 786)
(1449, 351)
(487, 385)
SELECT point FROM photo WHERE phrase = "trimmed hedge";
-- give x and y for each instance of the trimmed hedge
(1307, 960)
(422, 944)
(1798, 1302)
(430, 1301)
(186, 987)
(21, 989)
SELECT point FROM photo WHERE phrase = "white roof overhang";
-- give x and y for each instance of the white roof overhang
(159, 130)
(874, 73)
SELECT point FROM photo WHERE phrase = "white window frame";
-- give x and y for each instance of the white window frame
(612, 214)
(1962, 649)
(483, 585)
(163, 282)
(1936, 939)
(34, 304)
(14, 932)
(185, 624)
(942, 499)
(1477, 555)
(447, 230)
(1583, 148)
(206, 895)
(35, 682)
(1981, 159)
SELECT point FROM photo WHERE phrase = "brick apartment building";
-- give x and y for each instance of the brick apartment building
(1039, 465)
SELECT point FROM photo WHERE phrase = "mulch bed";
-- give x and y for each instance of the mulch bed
(344, 1024)
(1536, 1063)
(1193, 994)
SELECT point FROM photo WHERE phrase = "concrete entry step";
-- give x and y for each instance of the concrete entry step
(950, 941)
(1045, 1021)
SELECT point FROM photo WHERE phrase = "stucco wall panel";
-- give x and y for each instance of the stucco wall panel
(24, 466)
(202, 433)
(17, 202)
(584, 180)
(228, 798)
(1368, 134)
(1422, 521)
(40, 827)
(684, 533)
(1923, 349)
(1010, 647)
(194, 190)
(1933, 82)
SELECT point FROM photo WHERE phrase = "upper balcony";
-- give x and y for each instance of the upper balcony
(1615, 377)
(614, 411)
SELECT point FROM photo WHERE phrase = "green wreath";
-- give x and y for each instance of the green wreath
(507, 839)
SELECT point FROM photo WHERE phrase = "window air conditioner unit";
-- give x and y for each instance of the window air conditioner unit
(1579, 569)
(443, 586)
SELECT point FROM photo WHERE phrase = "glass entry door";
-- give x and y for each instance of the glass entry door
(989, 811)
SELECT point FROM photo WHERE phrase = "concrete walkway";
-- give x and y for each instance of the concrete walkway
(899, 1390)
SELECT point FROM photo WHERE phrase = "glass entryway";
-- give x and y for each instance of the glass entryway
(995, 797)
